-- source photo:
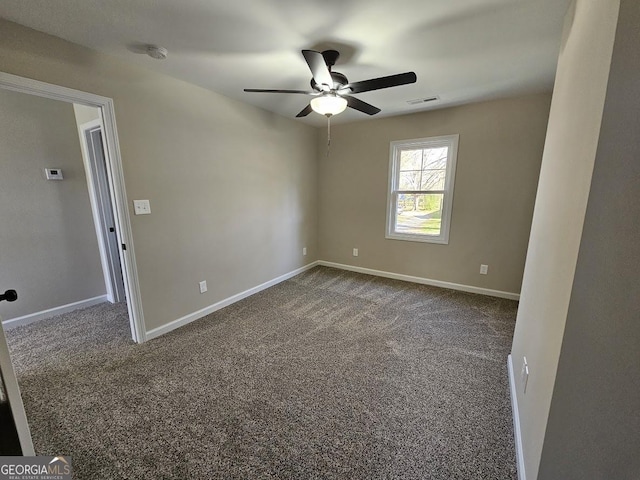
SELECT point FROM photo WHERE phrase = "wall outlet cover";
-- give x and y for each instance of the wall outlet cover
(53, 173)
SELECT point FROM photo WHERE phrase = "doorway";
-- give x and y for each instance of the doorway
(106, 189)
(113, 194)
(93, 153)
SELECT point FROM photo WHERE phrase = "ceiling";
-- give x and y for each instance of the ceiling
(461, 50)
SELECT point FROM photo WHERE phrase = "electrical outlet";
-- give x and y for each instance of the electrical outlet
(355, 252)
(53, 173)
(524, 374)
(304, 251)
(203, 286)
(484, 269)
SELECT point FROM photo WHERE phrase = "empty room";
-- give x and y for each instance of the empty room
(342, 240)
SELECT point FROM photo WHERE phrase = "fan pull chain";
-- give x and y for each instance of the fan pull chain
(328, 134)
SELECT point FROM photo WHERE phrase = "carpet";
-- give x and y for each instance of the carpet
(331, 374)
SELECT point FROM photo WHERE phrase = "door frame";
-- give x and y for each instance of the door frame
(8, 377)
(111, 280)
(116, 182)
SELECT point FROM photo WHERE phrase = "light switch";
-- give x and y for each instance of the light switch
(141, 207)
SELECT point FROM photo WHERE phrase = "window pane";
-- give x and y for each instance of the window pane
(410, 180)
(410, 160)
(433, 180)
(419, 214)
(435, 158)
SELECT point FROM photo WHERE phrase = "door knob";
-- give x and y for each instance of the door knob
(9, 296)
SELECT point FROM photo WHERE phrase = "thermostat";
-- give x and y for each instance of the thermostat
(53, 173)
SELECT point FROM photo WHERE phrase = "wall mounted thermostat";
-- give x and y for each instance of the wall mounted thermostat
(141, 207)
(53, 173)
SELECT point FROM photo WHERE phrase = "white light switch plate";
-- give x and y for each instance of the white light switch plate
(141, 207)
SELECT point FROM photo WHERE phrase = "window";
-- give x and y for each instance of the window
(421, 176)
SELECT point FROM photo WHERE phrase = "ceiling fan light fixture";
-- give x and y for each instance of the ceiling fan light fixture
(329, 105)
(333, 91)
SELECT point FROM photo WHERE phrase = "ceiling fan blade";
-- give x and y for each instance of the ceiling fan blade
(305, 111)
(318, 68)
(361, 106)
(261, 90)
(382, 82)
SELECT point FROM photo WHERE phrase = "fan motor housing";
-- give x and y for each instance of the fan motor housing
(339, 80)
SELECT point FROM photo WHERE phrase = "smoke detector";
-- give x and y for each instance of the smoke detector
(159, 53)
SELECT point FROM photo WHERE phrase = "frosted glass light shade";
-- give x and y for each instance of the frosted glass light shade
(328, 104)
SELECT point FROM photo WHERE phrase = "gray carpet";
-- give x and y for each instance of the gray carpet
(331, 375)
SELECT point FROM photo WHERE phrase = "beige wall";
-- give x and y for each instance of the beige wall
(499, 157)
(565, 177)
(85, 114)
(48, 247)
(232, 188)
(594, 425)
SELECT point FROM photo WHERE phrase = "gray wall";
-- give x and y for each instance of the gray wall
(232, 187)
(565, 179)
(48, 247)
(498, 164)
(85, 114)
(594, 422)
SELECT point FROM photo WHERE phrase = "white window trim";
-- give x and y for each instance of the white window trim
(446, 140)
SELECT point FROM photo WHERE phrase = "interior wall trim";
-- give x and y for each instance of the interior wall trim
(517, 434)
(424, 281)
(52, 312)
(168, 327)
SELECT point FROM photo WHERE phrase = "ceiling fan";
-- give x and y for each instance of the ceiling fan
(332, 90)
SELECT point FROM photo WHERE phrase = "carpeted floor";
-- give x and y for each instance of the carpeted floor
(331, 375)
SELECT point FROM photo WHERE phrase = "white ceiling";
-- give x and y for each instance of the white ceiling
(461, 50)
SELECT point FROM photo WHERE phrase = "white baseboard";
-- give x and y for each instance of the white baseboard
(52, 312)
(156, 332)
(424, 281)
(517, 434)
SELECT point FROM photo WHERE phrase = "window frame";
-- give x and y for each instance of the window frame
(393, 191)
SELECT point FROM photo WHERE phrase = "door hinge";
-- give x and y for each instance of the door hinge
(124, 246)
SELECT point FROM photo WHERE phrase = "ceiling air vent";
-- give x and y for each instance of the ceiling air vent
(418, 101)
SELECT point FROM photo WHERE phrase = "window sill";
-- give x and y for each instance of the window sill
(417, 238)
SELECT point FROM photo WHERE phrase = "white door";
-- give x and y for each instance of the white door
(16, 437)
(95, 152)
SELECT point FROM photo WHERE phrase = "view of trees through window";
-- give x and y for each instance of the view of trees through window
(421, 184)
